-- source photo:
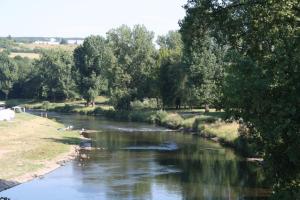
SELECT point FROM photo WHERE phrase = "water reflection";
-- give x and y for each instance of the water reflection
(147, 165)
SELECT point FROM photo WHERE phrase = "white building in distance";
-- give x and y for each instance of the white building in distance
(52, 41)
(78, 42)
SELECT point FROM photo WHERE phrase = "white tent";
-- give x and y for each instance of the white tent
(7, 114)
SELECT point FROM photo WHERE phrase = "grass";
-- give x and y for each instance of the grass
(212, 125)
(16, 102)
(29, 142)
(225, 131)
(74, 106)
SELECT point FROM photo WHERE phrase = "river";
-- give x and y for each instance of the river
(138, 161)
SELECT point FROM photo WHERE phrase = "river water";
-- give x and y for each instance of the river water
(139, 161)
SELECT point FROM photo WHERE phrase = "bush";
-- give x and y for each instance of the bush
(46, 105)
(196, 125)
(249, 142)
(160, 116)
(67, 108)
(170, 120)
(142, 105)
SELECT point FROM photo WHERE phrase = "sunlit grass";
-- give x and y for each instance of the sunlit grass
(28, 142)
(225, 131)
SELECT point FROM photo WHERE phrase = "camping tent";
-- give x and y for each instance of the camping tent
(7, 114)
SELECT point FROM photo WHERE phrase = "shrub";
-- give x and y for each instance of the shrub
(170, 120)
(46, 105)
(142, 105)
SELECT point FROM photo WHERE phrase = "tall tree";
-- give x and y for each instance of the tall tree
(172, 73)
(262, 86)
(135, 54)
(93, 59)
(55, 75)
(204, 58)
(25, 72)
(8, 73)
(172, 84)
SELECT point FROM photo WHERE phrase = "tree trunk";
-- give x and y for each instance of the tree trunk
(157, 103)
(206, 108)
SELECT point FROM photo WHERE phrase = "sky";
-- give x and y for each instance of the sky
(81, 18)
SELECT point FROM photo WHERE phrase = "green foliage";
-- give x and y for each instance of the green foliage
(262, 82)
(171, 46)
(145, 104)
(173, 120)
(172, 83)
(93, 59)
(46, 105)
(6, 43)
(56, 81)
(8, 74)
(172, 72)
(205, 69)
(131, 77)
(25, 73)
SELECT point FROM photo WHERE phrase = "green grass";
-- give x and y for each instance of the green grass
(16, 102)
(29, 142)
(227, 132)
(74, 106)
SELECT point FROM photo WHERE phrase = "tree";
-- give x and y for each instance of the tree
(262, 86)
(172, 84)
(172, 72)
(93, 59)
(204, 58)
(55, 75)
(171, 47)
(25, 72)
(131, 77)
(8, 73)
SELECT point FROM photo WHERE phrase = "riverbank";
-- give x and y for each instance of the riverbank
(211, 125)
(32, 146)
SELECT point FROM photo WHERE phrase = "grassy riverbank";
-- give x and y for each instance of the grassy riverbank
(32, 146)
(211, 125)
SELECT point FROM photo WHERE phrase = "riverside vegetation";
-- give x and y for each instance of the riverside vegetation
(231, 55)
(212, 125)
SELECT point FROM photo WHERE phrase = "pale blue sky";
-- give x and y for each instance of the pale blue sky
(80, 18)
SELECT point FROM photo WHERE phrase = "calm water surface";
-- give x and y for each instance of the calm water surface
(141, 161)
